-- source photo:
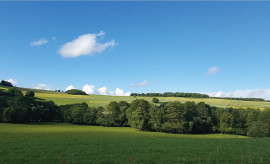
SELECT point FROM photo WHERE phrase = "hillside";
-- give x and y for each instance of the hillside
(101, 100)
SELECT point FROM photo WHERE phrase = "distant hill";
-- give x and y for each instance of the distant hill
(61, 98)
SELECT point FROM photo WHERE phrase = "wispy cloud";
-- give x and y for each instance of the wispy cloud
(257, 93)
(39, 42)
(212, 70)
(70, 87)
(12, 81)
(86, 44)
(144, 83)
(42, 86)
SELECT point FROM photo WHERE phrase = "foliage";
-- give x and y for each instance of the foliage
(75, 92)
(242, 99)
(6, 83)
(155, 100)
(30, 94)
(138, 114)
(14, 92)
(261, 127)
(26, 109)
(257, 129)
(171, 94)
(171, 117)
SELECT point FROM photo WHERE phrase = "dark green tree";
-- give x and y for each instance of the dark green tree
(75, 92)
(91, 116)
(226, 121)
(14, 92)
(77, 113)
(155, 100)
(174, 118)
(138, 114)
(156, 118)
(30, 94)
(6, 83)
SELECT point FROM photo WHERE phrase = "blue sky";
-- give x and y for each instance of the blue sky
(208, 47)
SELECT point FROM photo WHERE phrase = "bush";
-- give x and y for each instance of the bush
(155, 100)
(30, 94)
(14, 92)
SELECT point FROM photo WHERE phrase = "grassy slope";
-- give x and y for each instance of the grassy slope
(66, 143)
(97, 100)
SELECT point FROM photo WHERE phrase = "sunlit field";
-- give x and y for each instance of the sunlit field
(67, 143)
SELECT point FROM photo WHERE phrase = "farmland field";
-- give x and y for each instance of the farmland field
(67, 143)
(100, 100)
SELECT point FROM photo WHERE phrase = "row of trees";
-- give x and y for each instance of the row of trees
(18, 108)
(194, 95)
(170, 94)
(238, 98)
(171, 117)
(16, 92)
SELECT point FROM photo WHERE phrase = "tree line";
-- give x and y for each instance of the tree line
(18, 108)
(192, 95)
(238, 98)
(171, 117)
(170, 94)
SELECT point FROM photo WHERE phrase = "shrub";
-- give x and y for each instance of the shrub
(30, 94)
(155, 100)
(14, 92)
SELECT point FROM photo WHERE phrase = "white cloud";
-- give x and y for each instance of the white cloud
(144, 83)
(89, 89)
(212, 70)
(39, 42)
(84, 45)
(120, 92)
(103, 91)
(12, 81)
(70, 87)
(257, 93)
(42, 86)
(110, 93)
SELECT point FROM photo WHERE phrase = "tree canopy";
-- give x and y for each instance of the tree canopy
(6, 83)
(75, 92)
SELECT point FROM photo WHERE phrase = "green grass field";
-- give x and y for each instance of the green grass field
(67, 143)
(100, 100)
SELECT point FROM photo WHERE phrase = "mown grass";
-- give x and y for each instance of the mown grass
(67, 143)
(101, 100)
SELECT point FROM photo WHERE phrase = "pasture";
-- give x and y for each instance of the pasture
(67, 143)
(101, 100)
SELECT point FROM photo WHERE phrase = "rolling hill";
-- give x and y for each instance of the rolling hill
(61, 98)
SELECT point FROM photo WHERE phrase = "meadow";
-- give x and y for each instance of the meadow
(68, 143)
(61, 98)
